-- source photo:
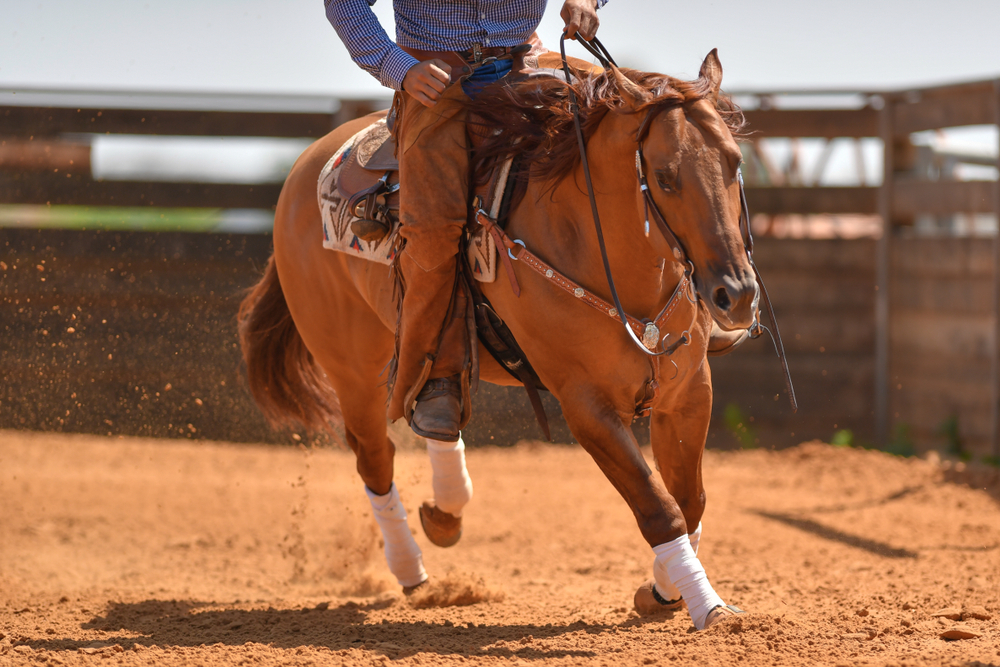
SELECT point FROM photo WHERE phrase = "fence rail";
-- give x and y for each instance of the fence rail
(45, 152)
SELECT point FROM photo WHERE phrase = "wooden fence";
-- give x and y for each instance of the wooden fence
(822, 291)
(45, 152)
(134, 333)
(941, 344)
(886, 336)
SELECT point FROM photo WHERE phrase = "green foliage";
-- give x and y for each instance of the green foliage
(992, 461)
(112, 218)
(738, 425)
(843, 438)
(902, 442)
(953, 439)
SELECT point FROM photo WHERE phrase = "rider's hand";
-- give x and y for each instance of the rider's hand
(580, 17)
(427, 80)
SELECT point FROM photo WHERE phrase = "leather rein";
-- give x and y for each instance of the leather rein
(597, 49)
(645, 334)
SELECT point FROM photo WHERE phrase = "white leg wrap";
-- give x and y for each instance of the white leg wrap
(452, 485)
(695, 538)
(401, 550)
(677, 563)
(668, 591)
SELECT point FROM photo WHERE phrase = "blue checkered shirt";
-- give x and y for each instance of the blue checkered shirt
(429, 25)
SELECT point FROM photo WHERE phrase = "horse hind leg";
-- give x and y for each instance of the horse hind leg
(441, 516)
(402, 554)
(364, 426)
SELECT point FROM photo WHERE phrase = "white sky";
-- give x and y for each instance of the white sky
(287, 46)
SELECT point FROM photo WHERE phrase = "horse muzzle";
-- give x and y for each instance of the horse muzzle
(731, 302)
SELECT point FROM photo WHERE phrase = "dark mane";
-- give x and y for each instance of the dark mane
(537, 111)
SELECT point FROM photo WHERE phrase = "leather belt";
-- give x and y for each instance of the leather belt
(473, 56)
(478, 53)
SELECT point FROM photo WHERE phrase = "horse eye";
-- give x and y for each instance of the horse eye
(664, 181)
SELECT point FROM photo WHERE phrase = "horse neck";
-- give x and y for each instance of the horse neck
(570, 242)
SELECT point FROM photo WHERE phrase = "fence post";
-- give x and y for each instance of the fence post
(883, 255)
(995, 369)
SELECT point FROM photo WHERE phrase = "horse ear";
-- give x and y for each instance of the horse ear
(711, 71)
(633, 95)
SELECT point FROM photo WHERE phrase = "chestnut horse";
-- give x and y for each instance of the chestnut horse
(318, 329)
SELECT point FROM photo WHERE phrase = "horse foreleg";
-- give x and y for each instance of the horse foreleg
(441, 517)
(604, 434)
(678, 441)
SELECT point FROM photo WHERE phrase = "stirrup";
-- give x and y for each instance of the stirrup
(369, 230)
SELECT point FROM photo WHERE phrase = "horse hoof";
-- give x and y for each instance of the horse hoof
(409, 590)
(719, 613)
(649, 603)
(441, 528)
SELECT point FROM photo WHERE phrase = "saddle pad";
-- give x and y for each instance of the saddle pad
(337, 219)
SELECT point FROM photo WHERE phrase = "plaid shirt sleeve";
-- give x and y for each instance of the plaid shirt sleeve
(368, 43)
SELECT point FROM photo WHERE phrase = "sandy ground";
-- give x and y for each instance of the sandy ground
(125, 551)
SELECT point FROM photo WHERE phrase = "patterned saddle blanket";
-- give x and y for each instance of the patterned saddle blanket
(367, 152)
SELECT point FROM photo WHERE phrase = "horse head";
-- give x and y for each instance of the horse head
(691, 163)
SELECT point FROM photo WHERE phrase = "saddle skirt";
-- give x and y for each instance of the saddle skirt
(360, 163)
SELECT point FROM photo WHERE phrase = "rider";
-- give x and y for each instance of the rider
(437, 45)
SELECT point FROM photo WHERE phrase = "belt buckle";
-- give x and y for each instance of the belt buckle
(477, 53)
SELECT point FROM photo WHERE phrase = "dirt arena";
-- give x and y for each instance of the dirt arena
(127, 551)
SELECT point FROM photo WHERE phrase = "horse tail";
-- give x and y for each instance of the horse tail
(285, 381)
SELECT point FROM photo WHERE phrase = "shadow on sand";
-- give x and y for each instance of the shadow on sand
(163, 623)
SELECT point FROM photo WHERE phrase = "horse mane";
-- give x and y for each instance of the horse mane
(536, 110)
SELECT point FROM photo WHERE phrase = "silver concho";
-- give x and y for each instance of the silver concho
(651, 336)
(578, 292)
(548, 273)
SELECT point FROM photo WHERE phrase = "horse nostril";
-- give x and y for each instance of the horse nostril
(721, 299)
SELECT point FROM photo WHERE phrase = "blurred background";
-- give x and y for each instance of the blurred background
(143, 146)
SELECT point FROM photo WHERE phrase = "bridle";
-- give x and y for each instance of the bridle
(756, 329)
